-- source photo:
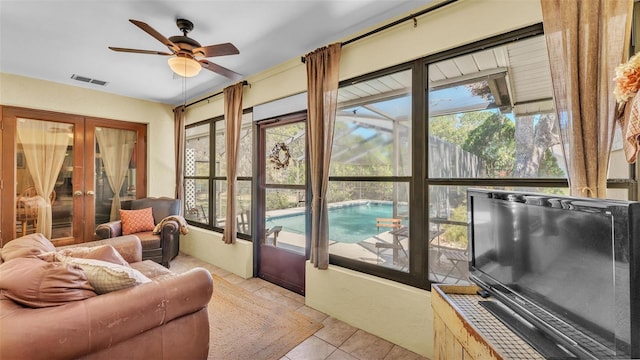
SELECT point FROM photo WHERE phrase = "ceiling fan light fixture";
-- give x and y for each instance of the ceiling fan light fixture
(184, 66)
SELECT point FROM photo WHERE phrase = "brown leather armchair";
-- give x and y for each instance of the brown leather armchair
(161, 247)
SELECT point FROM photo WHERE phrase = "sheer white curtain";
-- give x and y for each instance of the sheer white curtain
(44, 144)
(116, 147)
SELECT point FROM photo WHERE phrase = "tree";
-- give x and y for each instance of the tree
(519, 148)
(494, 142)
(534, 136)
(456, 128)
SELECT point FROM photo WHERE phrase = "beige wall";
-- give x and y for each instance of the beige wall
(618, 168)
(44, 95)
(208, 246)
(396, 312)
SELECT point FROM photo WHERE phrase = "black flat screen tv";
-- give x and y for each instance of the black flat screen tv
(569, 266)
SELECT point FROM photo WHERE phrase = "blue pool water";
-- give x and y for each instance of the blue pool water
(347, 224)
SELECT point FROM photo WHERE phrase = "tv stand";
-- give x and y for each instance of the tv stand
(533, 336)
(463, 329)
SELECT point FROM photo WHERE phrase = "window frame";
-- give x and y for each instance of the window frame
(212, 177)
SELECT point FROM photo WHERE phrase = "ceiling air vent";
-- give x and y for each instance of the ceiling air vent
(88, 80)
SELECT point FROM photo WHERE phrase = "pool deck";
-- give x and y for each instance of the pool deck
(366, 251)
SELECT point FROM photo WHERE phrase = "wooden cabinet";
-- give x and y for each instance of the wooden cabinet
(465, 330)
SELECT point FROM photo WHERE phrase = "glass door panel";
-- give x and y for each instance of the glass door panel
(116, 159)
(285, 152)
(44, 178)
(285, 219)
(115, 171)
(285, 177)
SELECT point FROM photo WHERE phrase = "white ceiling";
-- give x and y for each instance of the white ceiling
(53, 40)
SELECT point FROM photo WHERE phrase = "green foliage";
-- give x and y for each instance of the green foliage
(549, 166)
(279, 200)
(456, 128)
(349, 190)
(494, 142)
(457, 234)
(491, 137)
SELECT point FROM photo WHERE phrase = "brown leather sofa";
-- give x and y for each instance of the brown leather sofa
(164, 318)
(161, 247)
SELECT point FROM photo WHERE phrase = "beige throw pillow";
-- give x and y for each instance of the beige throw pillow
(103, 252)
(105, 276)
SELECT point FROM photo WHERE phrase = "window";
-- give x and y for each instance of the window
(476, 116)
(370, 173)
(205, 178)
(491, 124)
(196, 171)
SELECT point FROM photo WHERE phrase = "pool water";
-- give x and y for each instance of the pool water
(347, 224)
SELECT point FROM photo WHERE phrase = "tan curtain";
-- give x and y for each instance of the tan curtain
(179, 132)
(322, 96)
(116, 147)
(233, 124)
(44, 144)
(586, 40)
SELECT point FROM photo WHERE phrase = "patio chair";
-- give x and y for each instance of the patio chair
(197, 214)
(457, 258)
(244, 222)
(388, 222)
(398, 234)
(275, 231)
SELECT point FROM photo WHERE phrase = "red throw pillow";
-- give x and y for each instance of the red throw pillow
(135, 221)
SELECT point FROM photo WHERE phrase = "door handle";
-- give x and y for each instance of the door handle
(90, 193)
(77, 193)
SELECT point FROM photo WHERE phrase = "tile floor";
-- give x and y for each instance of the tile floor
(337, 340)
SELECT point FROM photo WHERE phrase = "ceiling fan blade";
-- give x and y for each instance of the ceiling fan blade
(152, 52)
(217, 50)
(219, 69)
(151, 31)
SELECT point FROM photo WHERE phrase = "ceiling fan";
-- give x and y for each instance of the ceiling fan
(186, 54)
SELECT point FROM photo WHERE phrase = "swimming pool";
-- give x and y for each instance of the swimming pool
(348, 223)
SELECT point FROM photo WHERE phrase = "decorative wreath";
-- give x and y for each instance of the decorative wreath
(280, 156)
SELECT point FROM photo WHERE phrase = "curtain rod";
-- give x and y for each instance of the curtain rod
(397, 22)
(210, 96)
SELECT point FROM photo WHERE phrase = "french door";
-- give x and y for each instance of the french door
(282, 237)
(54, 170)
